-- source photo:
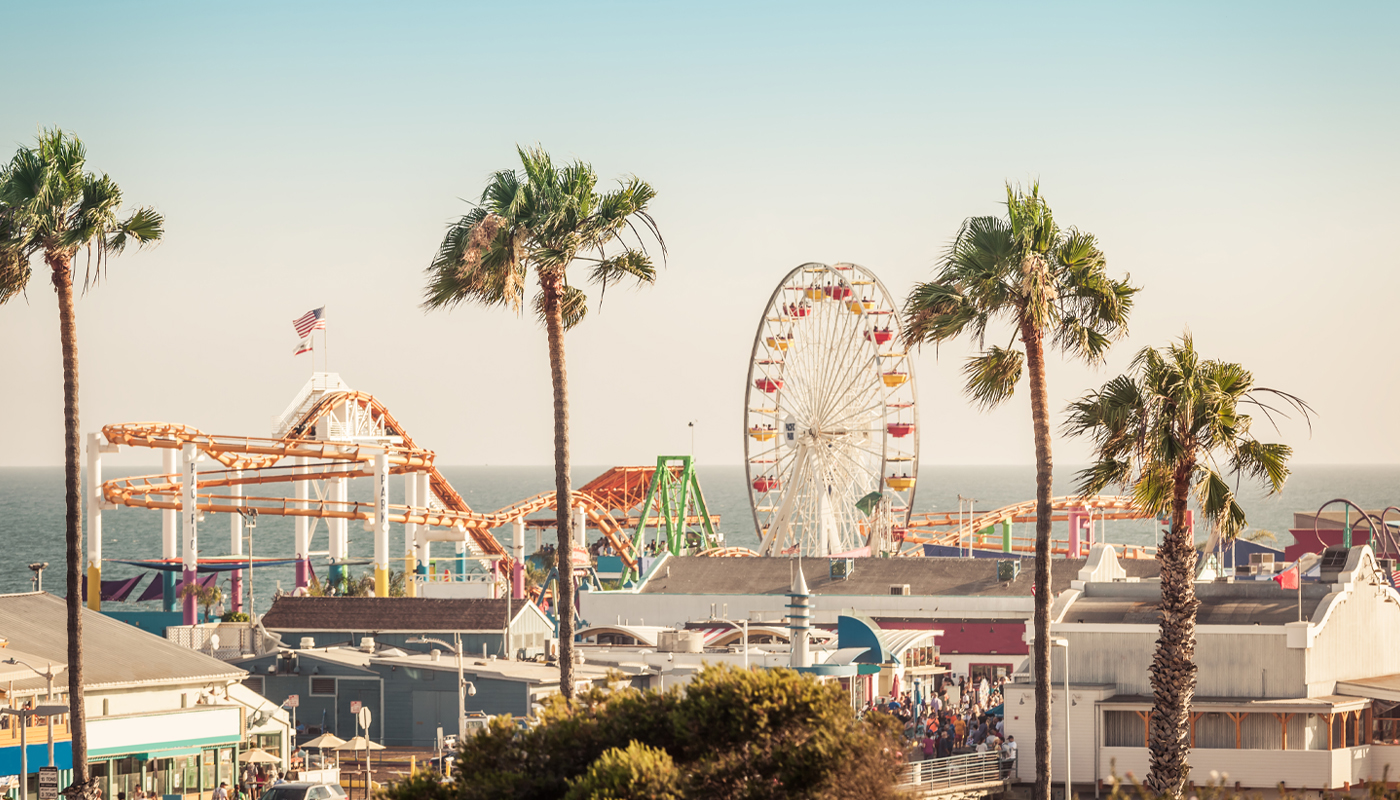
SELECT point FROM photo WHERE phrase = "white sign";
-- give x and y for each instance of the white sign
(365, 718)
(292, 701)
(355, 706)
(48, 783)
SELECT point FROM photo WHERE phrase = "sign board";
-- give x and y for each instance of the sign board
(365, 717)
(48, 783)
(292, 701)
(355, 706)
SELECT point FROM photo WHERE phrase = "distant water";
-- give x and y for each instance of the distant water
(31, 511)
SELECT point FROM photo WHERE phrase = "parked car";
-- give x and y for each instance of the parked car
(304, 790)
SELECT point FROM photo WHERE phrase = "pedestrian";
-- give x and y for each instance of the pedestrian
(1008, 757)
(220, 793)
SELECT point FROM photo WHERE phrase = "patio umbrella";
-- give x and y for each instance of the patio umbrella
(258, 756)
(326, 741)
(360, 743)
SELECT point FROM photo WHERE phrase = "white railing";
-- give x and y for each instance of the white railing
(235, 639)
(964, 771)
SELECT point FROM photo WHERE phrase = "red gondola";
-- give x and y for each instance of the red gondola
(768, 384)
(900, 429)
(765, 484)
(839, 292)
(879, 335)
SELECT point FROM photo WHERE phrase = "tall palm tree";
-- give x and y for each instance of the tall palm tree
(548, 218)
(51, 207)
(1051, 285)
(1165, 429)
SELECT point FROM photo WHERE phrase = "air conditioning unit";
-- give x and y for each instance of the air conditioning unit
(900, 590)
(1261, 558)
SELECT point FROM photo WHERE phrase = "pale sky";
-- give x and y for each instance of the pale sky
(1239, 160)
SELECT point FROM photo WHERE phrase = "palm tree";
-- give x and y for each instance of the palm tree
(1165, 429)
(50, 206)
(1052, 287)
(548, 218)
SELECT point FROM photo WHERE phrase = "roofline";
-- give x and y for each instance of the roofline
(372, 631)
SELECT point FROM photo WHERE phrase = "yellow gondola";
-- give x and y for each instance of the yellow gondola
(899, 483)
(893, 379)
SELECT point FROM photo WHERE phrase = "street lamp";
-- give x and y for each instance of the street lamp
(1068, 763)
(48, 675)
(24, 715)
(464, 686)
(250, 518)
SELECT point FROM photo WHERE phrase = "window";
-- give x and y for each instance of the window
(323, 686)
(992, 672)
(1123, 729)
(254, 682)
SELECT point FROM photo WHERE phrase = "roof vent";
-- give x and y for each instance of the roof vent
(900, 590)
(308, 642)
(367, 644)
(437, 654)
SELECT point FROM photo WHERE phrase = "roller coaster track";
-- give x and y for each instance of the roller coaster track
(1103, 507)
(258, 461)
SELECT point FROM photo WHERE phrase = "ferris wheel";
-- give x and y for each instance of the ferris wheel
(831, 436)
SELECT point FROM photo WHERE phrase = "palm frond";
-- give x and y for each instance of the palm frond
(1101, 474)
(629, 263)
(936, 312)
(993, 375)
(1264, 462)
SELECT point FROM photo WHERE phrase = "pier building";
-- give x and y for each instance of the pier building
(1295, 687)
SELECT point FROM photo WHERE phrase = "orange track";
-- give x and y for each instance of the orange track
(262, 456)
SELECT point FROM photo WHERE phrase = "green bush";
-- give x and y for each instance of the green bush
(730, 734)
(636, 772)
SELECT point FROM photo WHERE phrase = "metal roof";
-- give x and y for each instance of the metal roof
(116, 654)
(948, 577)
(1381, 687)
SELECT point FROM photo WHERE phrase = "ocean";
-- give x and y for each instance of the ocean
(31, 512)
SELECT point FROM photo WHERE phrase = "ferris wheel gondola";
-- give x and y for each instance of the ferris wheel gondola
(831, 432)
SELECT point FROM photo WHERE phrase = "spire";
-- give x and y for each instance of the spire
(799, 582)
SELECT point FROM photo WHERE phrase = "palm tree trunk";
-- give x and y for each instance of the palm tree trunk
(551, 284)
(61, 266)
(1033, 339)
(1173, 670)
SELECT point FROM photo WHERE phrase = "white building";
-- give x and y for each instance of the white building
(161, 717)
(1308, 703)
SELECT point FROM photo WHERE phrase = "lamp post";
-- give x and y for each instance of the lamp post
(464, 686)
(48, 675)
(24, 715)
(1068, 763)
(250, 518)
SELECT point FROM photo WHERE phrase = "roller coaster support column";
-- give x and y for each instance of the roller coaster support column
(517, 553)
(1078, 517)
(1006, 535)
(189, 533)
(169, 531)
(410, 536)
(301, 537)
(425, 547)
(339, 533)
(94, 521)
(580, 525)
(381, 524)
(235, 546)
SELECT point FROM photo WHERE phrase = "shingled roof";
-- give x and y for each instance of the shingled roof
(947, 577)
(118, 654)
(388, 614)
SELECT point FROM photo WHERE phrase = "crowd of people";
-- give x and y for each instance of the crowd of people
(955, 719)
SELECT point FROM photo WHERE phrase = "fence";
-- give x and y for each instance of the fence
(969, 770)
(235, 639)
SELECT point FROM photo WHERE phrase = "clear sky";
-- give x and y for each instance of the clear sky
(1239, 160)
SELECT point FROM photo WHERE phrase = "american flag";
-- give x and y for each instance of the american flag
(315, 319)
